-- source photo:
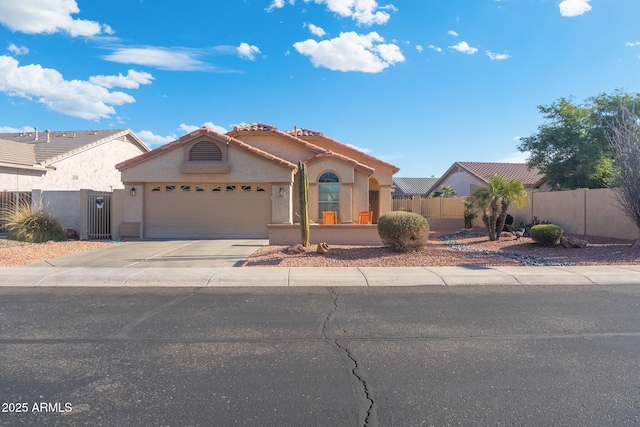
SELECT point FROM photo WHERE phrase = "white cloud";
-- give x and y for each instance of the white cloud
(453, 33)
(132, 80)
(75, 98)
(364, 150)
(190, 128)
(436, 48)
(572, 8)
(497, 56)
(351, 52)
(637, 43)
(317, 31)
(464, 48)
(518, 157)
(419, 48)
(17, 50)
(9, 129)
(247, 51)
(279, 4)
(364, 12)
(152, 139)
(48, 16)
(174, 59)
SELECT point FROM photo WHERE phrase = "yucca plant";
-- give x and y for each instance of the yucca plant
(26, 224)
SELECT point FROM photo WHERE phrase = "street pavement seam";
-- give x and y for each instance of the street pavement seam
(366, 279)
(210, 277)
(124, 283)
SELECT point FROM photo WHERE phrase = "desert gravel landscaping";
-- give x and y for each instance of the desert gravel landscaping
(454, 249)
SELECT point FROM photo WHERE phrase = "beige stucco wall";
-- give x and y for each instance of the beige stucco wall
(92, 168)
(244, 167)
(594, 212)
(462, 181)
(278, 146)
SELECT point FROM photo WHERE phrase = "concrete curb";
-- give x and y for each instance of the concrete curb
(312, 276)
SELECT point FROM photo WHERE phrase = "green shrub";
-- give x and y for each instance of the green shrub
(27, 225)
(546, 234)
(403, 231)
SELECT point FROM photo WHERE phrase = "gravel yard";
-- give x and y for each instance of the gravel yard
(473, 249)
(13, 254)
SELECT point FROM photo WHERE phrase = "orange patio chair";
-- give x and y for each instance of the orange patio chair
(365, 217)
(329, 217)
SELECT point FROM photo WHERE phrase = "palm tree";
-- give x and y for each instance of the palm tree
(494, 200)
(446, 191)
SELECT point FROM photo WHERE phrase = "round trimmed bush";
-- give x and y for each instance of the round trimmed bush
(403, 231)
(546, 234)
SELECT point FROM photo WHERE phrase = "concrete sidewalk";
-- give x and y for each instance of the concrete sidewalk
(312, 276)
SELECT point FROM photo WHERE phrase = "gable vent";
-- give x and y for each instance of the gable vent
(205, 151)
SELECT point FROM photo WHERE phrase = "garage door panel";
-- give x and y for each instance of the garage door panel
(185, 212)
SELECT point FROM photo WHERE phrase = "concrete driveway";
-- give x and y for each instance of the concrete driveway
(162, 253)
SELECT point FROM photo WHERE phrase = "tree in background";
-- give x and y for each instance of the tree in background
(494, 200)
(572, 149)
(625, 143)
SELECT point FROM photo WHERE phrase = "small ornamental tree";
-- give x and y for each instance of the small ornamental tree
(494, 200)
(625, 142)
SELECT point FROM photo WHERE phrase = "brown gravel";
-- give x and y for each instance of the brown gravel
(601, 251)
(14, 253)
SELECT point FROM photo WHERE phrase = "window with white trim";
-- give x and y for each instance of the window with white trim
(328, 193)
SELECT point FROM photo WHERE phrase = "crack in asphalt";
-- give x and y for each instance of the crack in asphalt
(370, 418)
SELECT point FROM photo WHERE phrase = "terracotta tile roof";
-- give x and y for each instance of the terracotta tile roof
(485, 170)
(254, 127)
(412, 186)
(308, 133)
(367, 169)
(61, 144)
(204, 131)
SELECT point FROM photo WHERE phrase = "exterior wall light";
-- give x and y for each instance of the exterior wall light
(281, 192)
(132, 191)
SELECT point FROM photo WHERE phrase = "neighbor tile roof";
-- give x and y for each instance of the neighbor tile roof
(485, 170)
(24, 148)
(412, 186)
(531, 178)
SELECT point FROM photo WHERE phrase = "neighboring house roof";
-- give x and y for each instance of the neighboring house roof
(204, 131)
(531, 178)
(302, 133)
(412, 186)
(32, 149)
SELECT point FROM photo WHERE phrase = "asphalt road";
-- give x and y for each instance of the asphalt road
(483, 355)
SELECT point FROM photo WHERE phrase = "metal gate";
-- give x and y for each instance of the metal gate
(9, 201)
(99, 215)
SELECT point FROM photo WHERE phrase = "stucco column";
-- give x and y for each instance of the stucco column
(346, 202)
(386, 202)
(83, 226)
(282, 203)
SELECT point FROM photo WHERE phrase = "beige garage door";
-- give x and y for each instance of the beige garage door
(207, 210)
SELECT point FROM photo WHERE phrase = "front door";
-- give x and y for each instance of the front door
(374, 204)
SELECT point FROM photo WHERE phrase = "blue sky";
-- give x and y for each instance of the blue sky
(420, 84)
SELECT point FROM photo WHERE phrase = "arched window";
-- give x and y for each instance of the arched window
(328, 193)
(205, 151)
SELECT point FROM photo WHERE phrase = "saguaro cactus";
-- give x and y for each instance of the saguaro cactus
(303, 186)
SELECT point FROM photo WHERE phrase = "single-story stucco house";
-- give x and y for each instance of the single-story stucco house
(464, 177)
(235, 185)
(65, 160)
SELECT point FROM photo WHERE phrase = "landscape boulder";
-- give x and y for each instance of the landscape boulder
(573, 242)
